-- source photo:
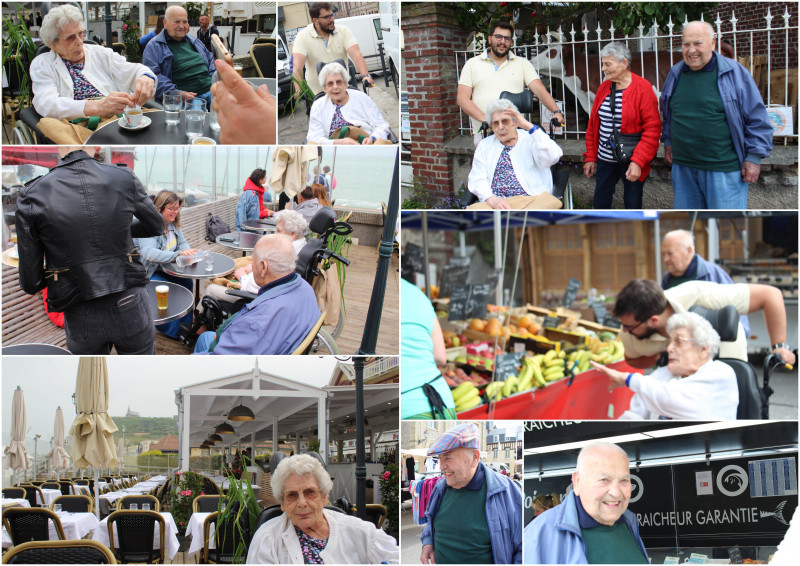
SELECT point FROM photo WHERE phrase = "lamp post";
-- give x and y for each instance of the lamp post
(35, 450)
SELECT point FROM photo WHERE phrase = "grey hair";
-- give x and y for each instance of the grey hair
(498, 106)
(583, 455)
(703, 334)
(686, 237)
(293, 221)
(172, 9)
(301, 465)
(709, 28)
(618, 51)
(333, 69)
(279, 258)
(56, 19)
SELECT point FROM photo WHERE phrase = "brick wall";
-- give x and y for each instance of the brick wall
(750, 16)
(431, 34)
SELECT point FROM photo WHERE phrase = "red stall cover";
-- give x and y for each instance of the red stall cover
(47, 156)
(588, 398)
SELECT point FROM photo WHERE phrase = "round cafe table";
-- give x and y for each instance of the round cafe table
(35, 350)
(180, 302)
(223, 265)
(247, 241)
(265, 226)
(157, 133)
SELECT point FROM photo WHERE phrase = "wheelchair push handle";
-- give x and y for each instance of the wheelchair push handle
(774, 361)
(329, 254)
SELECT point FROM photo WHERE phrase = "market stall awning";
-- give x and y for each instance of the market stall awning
(472, 220)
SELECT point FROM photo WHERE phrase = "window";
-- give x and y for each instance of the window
(508, 452)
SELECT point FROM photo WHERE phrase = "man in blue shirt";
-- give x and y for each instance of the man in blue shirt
(592, 525)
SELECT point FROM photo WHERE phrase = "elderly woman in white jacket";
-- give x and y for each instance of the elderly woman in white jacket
(342, 107)
(74, 80)
(307, 533)
(693, 386)
(514, 161)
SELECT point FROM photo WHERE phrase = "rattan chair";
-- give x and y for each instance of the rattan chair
(25, 525)
(81, 482)
(60, 552)
(125, 501)
(376, 514)
(15, 492)
(205, 504)
(74, 503)
(134, 542)
(51, 485)
(210, 487)
(66, 487)
(34, 495)
(163, 495)
(227, 537)
(264, 60)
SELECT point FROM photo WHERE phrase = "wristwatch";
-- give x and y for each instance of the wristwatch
(784, 345)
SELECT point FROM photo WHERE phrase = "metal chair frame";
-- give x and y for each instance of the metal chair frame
(14, 512)
(119, 515)
(16, 555)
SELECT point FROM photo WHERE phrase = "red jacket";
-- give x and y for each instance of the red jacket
(259, 190)
(639, 114)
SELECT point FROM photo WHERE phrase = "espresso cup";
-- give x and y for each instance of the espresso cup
(133, 116)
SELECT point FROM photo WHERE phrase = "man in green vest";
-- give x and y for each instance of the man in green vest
(592, 525)
(474, 514)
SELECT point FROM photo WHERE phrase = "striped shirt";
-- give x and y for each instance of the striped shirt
(604, 151)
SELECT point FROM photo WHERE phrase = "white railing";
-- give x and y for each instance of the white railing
(380, 366)
(575, 62)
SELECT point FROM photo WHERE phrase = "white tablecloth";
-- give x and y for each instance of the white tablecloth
(49, 496)
(195, 530)
(170, 535)
(75, 525)
(19, 502)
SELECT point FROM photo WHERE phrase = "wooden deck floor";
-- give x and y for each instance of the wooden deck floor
(24, 320)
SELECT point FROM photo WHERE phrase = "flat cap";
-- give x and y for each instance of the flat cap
(462, 436)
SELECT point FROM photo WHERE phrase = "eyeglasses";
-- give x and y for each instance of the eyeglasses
(174, 208)
(327, 18)
(630, 329)
(680, 341)
(73, 37)
(501, 37)
(309, 494)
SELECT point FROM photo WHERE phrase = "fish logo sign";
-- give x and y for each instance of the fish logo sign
(777, 514)
(637, 488)
(732, 480)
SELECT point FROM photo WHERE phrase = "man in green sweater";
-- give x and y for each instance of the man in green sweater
(592, 525)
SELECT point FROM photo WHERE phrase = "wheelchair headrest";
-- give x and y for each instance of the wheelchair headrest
(323, 63)
(725, 321)
(522, 100)
(323, 220)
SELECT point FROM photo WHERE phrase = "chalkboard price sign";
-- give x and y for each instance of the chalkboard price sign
(570, 293)
(458, 303)
(550, 322)
(612, 322)
(468, 301)
(452, 276)
(506, 365)
(600, 311)
(411, 262)
(478, 299)
(459, 261)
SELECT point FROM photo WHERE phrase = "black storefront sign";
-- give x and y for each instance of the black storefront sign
(411, 262)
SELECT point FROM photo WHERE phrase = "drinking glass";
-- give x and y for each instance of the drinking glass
(209, 259)
(172, 107)
(195, 111)
(145, 507)
(134, 506)
(57, 507)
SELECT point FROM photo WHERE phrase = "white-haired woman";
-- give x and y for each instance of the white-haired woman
(635, 112)
(74, 80)
(693, 386)
(307, 533)
(341, 110)
(514, 161)
(294, 225)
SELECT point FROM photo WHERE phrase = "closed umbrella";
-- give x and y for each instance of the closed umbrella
(290, 169)
(16, 455)
(59, 459)
(238, 11)
(92, 431)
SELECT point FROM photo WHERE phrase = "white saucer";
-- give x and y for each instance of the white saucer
(145, 122)
(13, 252)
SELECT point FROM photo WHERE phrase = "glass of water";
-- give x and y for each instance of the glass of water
(145, 507)
(195, 111)
(172, 107)
(209, 259)
(134, 506)
(57, 507)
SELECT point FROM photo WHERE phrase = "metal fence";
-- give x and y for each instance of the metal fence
(568, 64)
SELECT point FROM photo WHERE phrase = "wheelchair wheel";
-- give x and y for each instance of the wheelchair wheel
(323, 344)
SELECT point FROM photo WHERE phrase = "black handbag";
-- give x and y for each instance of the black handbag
(622, 145)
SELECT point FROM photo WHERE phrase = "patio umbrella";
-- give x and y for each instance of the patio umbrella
(16, 455)
(238, 11)
(92, 431)
(290, 169)
(59, 459)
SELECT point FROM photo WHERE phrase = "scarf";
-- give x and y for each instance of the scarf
(251, 186)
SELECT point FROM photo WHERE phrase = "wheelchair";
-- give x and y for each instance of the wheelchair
(309, 263)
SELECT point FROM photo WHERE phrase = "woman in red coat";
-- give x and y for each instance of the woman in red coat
(636, 112)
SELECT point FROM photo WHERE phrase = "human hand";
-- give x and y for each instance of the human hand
(345, 141)
(634, 172)
(668, 154)
(427, 556)
(589, 169)
(498, 203)
(143, 90)
(240, 272)
(517, 118)
(368, 141)
(786, 355)
(367, 80)
(110, 105)
(187, 252)
(750, 172)
(561, 120)
(617, 377)
(185, 95)
(245, 117)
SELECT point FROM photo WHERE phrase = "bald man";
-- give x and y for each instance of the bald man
(279, 318)
(592, 525)
(683, 264)
(716, 130)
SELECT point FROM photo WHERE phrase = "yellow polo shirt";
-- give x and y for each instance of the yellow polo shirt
(488, 81)
(309, 43)
(706, 294)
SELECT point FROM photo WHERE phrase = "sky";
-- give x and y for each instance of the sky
(145, 383)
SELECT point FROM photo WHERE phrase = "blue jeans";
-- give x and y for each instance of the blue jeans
(122, 320)
(696, 189)
(204, 342)
(607, 176)
(172, 329)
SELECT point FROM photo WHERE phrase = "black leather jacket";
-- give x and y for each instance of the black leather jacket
(75, 227)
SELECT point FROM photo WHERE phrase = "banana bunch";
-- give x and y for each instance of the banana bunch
(609, 352)
(466, 396)
(582, 357)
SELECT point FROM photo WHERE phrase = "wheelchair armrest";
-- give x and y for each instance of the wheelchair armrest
(153, 104)
(241, 294)
(392, 137)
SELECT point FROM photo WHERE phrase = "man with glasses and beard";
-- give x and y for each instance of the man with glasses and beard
(322, 40)
(643, 308)
(495, 70)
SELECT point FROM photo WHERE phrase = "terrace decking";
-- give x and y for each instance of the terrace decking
(24, 319)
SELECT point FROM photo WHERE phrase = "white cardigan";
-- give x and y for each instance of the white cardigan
(52, 84)
(351, 541)
(709, 394)
(359, 111)
(531, 157)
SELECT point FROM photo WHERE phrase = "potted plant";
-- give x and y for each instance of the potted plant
(187, 486)
(130, 37)
(241, 508)
(18, 51)
(390, 498)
